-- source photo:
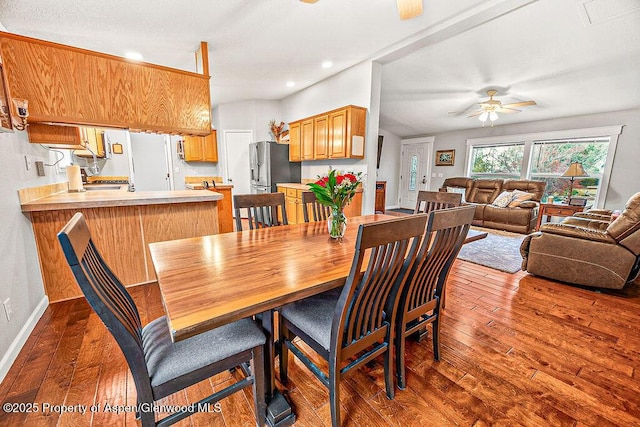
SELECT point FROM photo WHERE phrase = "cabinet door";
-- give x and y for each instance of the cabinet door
(94, 139)
(294, 142)
(306, 136)
(210, 147)
(193, 149)
(292, 210)
(321, 137)
(338, 134)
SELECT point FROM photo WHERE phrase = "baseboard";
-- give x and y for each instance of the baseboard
(15, 347)
(392, 207)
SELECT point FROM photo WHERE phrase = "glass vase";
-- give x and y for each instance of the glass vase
(337, 223)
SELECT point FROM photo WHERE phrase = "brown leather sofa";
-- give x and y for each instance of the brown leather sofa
(587, 252)
(483, 192)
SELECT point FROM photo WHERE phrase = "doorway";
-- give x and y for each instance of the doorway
(150, 168)
(415, 169)
(237, 159)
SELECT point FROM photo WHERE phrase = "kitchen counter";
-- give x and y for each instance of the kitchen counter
(122, 225)
(106, 198)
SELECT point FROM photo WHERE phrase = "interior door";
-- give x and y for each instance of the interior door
(150, 164)
(414, 174)
(237, 159)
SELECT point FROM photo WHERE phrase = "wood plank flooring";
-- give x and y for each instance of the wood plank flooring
(516, 350)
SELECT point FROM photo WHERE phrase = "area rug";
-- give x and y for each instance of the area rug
(499, 250)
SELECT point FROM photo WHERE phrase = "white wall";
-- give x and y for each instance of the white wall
(118, 164)
(625, 177)
(247, 115)
(390, 166)
(358, 85)
(19, 266)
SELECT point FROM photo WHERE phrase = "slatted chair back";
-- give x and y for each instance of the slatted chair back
(418, 299)
(263, 210)
(310, 203)
(107, 297)
(360, 319)
(428, 201)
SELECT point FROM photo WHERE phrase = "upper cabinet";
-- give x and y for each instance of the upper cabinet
(201, 148)
(336, 134)
(64, 84)
(71, 137)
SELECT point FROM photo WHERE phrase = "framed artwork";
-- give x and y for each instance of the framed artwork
(445, 157)
(116, 148)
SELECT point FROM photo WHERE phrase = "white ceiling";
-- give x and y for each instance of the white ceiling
(571, 56)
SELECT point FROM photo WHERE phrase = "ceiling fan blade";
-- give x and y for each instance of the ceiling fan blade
(507, 110)
(308, 1)
(476, 114)
(519, 104)
(409, 8)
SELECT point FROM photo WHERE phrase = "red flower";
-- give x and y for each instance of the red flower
(351, 177)
(323, 181)
(339, 179)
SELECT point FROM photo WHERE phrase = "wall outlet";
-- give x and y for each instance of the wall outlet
(8, 310)
(40, 168)
(27, 162)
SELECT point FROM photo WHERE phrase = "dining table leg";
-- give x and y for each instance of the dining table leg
(279, 412)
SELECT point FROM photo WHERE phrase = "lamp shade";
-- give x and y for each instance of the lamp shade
(575, 169)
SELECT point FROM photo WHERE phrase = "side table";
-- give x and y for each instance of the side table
(556, 209)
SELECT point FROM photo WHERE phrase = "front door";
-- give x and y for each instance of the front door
(414, 174)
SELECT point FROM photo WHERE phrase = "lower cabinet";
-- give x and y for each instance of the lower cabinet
(294, 207)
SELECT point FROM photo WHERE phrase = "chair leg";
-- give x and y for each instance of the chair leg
(334, 394)
(436, 337)
(284, 352)
(257, 369)
(388, 372)
(399, 344)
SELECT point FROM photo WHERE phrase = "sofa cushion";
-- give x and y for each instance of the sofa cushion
(515, 216)
(458, 190)
(461, 182)
(503, 200)
(519, 197)
(629, 220)
(485, 190)
(534, 187)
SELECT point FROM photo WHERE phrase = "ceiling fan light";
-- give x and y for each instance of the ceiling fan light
(409, 8)
(483, 117)
(493, 116)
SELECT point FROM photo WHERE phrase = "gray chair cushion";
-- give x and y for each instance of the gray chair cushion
(314, 315)
(167, 360)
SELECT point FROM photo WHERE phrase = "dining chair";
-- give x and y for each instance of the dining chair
(428, 201)
(418, 297)
(159, 366)
(310, 203)
(351, 326)
(262, 210)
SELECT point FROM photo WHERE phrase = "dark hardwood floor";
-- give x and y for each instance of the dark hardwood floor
(516, 350)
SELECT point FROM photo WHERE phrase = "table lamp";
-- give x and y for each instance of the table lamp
(575, 169)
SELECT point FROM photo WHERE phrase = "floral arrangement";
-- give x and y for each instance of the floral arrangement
(336, 189)
(277, 130)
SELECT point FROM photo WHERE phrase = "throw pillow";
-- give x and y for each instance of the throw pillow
(503, 200)
(519, 197)
(459, 191)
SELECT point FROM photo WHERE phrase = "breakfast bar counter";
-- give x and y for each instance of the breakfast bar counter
(122, 224)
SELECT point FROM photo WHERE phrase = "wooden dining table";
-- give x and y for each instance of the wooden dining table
(209, 281)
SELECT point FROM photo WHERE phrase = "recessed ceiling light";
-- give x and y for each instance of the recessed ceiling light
(136, 56)
(291, 84)
(327, 64)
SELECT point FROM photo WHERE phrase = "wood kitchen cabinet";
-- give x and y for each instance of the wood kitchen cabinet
(321, 137)
(201, 149)
(294, 142)
(336, 134)
(64, 84)
(69, 137)
(294, 207)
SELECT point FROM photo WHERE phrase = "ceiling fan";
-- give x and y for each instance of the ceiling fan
(406, 8)
(490, 108)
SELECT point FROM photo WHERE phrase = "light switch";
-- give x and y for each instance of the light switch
(439, 175)
(433, 174)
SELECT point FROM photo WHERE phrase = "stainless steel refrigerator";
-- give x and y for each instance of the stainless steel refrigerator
(269, 165)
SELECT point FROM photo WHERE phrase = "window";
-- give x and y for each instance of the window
(413, 173)
(546, 156)
(497, 161)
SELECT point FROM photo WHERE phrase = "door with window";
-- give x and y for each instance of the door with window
(414, 173)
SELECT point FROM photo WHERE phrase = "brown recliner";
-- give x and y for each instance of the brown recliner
(587, 255)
